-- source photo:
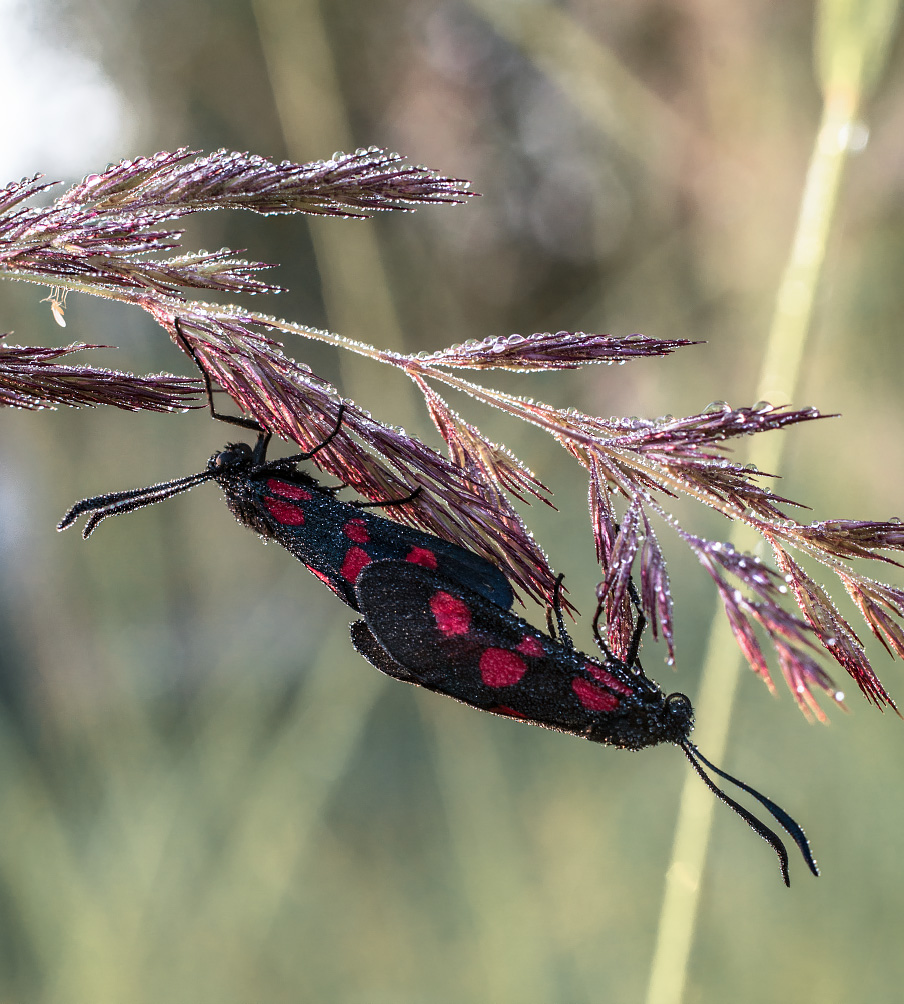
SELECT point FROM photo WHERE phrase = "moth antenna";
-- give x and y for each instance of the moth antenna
(135, 498)
(793, 828)
(758, 827)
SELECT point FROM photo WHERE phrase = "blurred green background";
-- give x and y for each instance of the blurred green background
(205, 795)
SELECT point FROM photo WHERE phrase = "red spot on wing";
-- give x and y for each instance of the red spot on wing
(592, 697)
(612, 682)
(355, 561)
(356, 530)
(452, 615)
(421, 556)
(501, 668)
(287, 491)
(502, 709)
(529, 645)
(284, 512)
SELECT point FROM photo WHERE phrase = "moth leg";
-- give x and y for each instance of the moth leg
(634, 647)
(244, 423)
(275, 465)
(639, 626)
(391, 502)
(556, 608)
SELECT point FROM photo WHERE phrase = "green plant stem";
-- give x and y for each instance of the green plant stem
(778, 379)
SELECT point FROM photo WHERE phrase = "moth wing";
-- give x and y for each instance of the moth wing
(391, 541)
(472, 570)
(451, 640)
(336, 539)
(447, 637)
(394, 597)
(368, 646)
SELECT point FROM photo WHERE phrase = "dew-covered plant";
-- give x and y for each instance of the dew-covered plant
(107, 236)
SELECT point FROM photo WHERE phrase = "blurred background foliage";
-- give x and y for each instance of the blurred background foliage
(205, 794)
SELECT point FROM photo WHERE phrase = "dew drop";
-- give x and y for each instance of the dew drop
(838, 695)
(853, 136)
(762, 407)
(714, 407)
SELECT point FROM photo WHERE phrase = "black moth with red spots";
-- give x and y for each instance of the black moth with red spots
(334, 539)
(431, 630)
(448, 640)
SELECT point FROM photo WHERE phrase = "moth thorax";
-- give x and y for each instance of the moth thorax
(247, 512)
(646, 720)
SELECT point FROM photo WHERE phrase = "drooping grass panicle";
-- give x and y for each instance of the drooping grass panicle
(31, 378)
(105, 235)
(793, 639)
(348, 184)
(849, 538)
(606, 533)
(494, 471)
(639, 459)
(835, 633)
(92, 233)
(873, 599)
(463, 500)
(545, 351)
